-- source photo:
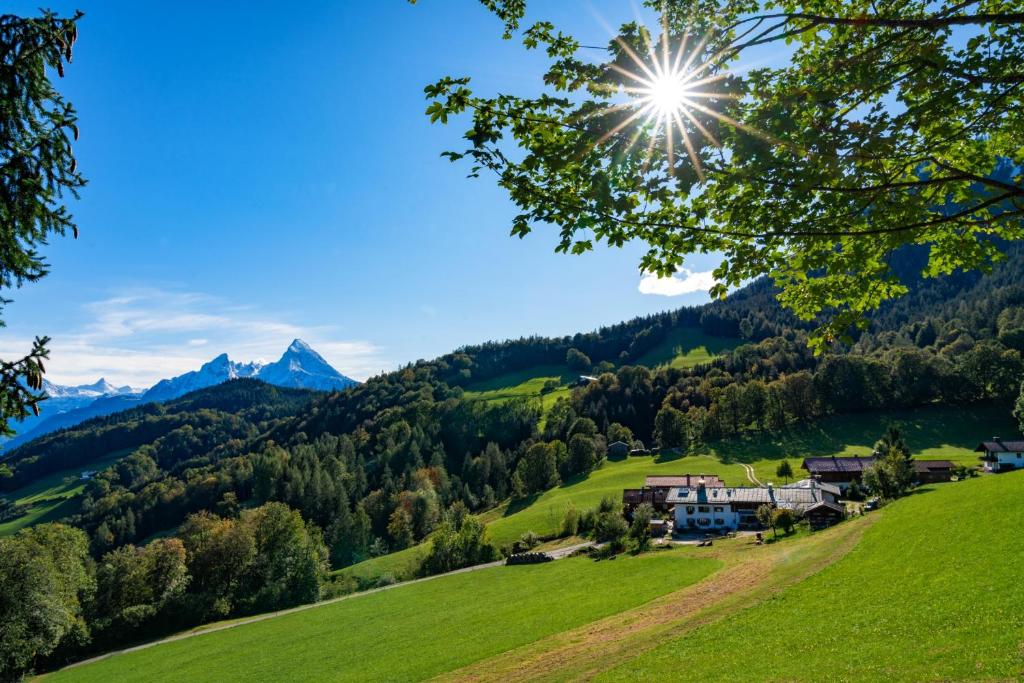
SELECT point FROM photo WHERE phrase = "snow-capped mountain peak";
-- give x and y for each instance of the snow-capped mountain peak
(301, 366)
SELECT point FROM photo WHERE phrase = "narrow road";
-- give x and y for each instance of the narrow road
(749, 469)
(556, 554)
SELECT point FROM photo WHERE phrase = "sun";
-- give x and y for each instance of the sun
(667, 94)
(672, 93)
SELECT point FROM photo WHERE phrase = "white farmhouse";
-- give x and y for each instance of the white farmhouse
(1000, 456)
(705, 508)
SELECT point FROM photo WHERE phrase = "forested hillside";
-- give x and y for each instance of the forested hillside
(379, 467)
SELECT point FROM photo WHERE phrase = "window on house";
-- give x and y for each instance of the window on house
(703, 508)
(704, 521)
(719, 521)
(719, 508)
(689, 509)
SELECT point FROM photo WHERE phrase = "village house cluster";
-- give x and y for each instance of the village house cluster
(702, 502)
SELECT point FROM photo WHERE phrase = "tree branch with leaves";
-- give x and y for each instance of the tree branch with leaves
(37, 172)
(888, 124)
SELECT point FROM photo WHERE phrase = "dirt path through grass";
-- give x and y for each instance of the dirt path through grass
(752, 574)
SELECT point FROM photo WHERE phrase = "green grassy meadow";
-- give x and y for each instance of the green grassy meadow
(932, 592)
(415, 631)
(54, 496)
(524, 384)
(685, 347)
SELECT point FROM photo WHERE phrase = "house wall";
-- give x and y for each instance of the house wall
(840, 479)
(934, 476)
(1005, 460)
(705, 517)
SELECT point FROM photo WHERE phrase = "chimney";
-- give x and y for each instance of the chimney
(771, 493)
(700, 484)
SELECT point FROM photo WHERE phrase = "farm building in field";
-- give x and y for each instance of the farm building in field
(824, 514)
(844, 471)
(933, 471)
(656, 488)
(702, 508)
(1001, 456)
(839, 471)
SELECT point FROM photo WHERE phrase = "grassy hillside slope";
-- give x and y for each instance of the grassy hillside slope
(53, 496)
(524, 384)
(686, 347)
(932, 592)
(415, 631)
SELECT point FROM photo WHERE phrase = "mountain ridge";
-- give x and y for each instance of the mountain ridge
(300, 367)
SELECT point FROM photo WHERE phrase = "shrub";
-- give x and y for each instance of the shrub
(640, 530)
(570, 522)
(610, 527)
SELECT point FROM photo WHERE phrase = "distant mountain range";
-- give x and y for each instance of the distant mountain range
(300, 367)
(63, 399)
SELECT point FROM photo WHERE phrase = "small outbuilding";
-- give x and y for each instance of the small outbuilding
(824, 514)
(933, 471)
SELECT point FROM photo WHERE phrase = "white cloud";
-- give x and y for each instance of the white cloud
(683, 282)
(146, 335)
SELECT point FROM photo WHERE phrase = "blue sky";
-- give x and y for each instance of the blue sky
(259, 174)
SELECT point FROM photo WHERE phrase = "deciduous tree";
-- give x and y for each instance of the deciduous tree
(640, 529)
(45, 579)
(886, 125)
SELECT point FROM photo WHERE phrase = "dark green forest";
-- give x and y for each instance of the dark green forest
(177, 529)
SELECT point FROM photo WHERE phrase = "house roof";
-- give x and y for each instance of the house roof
(998, 445)
(663, 481)
(826, 505)
(931, 465)
(798, 498)
(619, 444)
(814, 483)
(833, 464)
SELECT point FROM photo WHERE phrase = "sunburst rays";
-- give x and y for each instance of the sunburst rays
(667, 90)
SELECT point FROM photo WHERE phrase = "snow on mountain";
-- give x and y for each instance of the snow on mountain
(68, 399)
(302, 367)
(85, 391)
(218, 370)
